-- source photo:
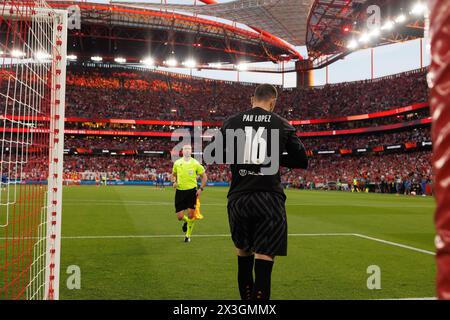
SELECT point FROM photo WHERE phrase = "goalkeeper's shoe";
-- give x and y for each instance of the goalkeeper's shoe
(184, 227)
(187, 239)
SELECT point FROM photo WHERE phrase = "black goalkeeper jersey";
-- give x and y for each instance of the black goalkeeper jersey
(247, 167)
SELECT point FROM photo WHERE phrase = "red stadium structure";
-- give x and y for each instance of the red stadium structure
(333, 24)
(132, 31)
(325, 27)
(285, 20)
(440, 106)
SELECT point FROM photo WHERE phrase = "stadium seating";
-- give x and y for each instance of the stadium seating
(392, 168)
(320, 143)
(133, 94)
(111, 93)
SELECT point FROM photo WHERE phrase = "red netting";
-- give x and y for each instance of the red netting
(27, 89)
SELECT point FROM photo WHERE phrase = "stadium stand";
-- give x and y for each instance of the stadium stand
(402, 171)
(320, 143)
(133, 94)
(114, 93)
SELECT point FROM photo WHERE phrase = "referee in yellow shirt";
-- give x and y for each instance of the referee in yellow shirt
(185, 171)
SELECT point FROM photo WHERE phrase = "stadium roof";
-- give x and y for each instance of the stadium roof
(338, 27)
(239, 31)
(286, 19)
(134, 32)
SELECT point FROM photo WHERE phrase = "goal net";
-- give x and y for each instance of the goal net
(32, 86)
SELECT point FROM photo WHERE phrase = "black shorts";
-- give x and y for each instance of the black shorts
(258, 223)
(185, 199)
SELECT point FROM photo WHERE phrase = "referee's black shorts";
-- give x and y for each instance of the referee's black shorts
(258, 223)
(185, 199)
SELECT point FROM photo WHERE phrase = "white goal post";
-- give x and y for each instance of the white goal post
(33, 44)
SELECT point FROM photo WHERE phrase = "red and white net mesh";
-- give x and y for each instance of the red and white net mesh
(29, 56)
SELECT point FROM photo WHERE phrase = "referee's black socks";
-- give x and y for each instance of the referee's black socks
(245, 276)
(263, 274)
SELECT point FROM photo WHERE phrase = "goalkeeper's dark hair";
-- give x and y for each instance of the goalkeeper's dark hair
(265, 92)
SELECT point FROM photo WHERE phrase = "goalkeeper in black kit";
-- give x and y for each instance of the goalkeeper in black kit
(256, 200)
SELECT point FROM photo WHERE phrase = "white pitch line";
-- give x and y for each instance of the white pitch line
(228, 235)
(319, 234)
(143, 236)
(290, 235)
(198, 236)
(394, 244)
(220, 204)
(422, 298)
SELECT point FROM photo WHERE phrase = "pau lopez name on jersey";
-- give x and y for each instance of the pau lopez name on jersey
(256, 117)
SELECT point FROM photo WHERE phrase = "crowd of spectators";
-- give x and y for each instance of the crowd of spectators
(320, 143)
(372, 122)
(133, 94)
(372, 167)
(141, 168)
(351, 98)
(119, 143)
(115, 168)
(401, 170)
(368, 140)
(125, 125)
(105, 126)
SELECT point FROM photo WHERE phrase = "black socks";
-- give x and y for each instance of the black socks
(263, 274)
(245, 276)
(260, 288)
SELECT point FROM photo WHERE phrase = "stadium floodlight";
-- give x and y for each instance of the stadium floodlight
(17, 53)
(190, 63)
(96, 58)
(72, 57)
(418, 9)
(242, 66)
(352, 44)
(149, 62)
(374, 32)
(389, 25)
(120, 60)
(365, 37)
(41, 55)
(401, 18)
(171, 62)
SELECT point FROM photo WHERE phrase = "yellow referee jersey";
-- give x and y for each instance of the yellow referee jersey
(187, 172)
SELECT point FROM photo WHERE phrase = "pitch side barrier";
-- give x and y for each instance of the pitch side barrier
(147, 183)
(406, 146)
(118, 183)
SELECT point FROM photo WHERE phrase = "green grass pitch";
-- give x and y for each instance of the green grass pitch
(129, 245)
